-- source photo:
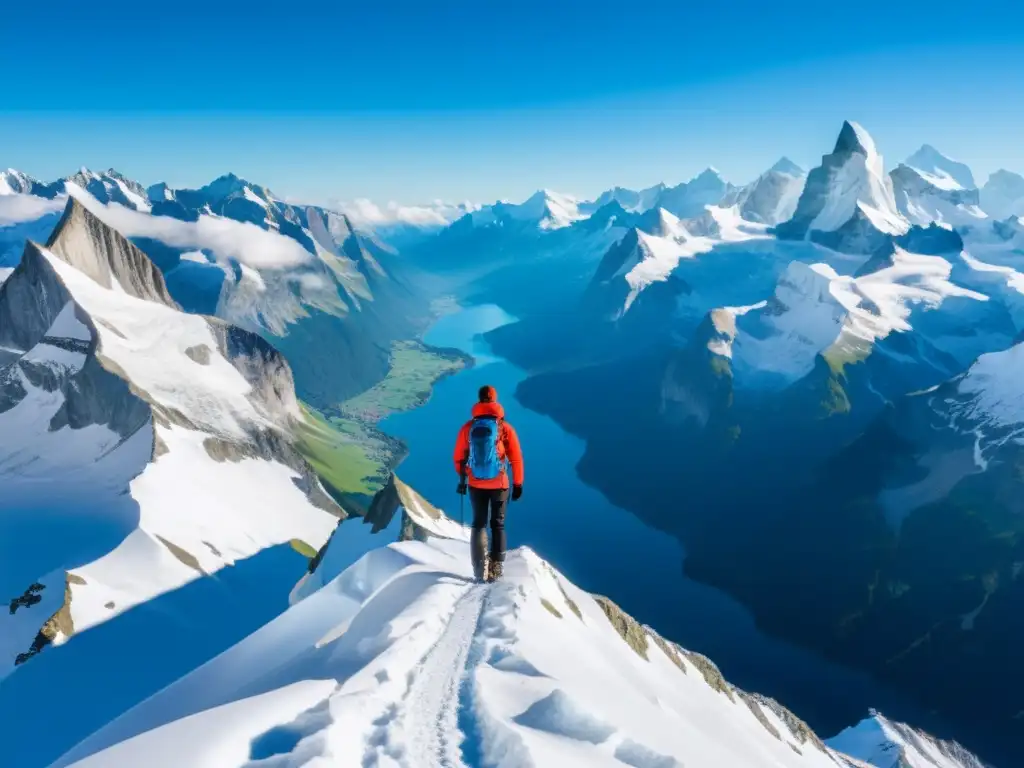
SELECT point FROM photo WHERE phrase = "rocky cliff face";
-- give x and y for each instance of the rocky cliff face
(101, 253)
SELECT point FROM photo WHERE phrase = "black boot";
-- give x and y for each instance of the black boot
(478, 553)
(497, 568)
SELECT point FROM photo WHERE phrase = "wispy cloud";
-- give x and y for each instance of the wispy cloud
(18, 208)
(369, 215)
(227, 239)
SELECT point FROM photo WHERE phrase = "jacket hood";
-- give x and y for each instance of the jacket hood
(488, 409)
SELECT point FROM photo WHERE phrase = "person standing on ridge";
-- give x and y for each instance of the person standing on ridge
(485, 445)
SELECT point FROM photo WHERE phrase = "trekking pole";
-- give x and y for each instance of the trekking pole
(462, 495)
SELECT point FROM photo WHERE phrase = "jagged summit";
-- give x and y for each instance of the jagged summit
(689, 199)
(879, 741)
(847, 202)
(104, 255)
(630, 199)
(772, 197)
(13, 181)
(788, 167)
(853, 138)
(945, 172)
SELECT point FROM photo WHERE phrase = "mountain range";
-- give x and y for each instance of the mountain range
(821, 366)
(802, 356)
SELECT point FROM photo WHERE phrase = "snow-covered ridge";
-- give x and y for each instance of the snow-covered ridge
(652, 251)
(924, 199)
(816, 311)
(772, 197)
(878, 741)
(402, 657)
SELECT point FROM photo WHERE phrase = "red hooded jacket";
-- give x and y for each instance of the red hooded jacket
(508, 448)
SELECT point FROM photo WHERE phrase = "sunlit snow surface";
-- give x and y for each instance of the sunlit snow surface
(403, 660)
(880, 742)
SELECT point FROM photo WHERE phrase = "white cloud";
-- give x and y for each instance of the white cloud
(197, 256)
(228, 239)
(18, 208)
(368, 214)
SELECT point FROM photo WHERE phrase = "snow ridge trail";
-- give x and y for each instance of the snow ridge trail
(431, 707)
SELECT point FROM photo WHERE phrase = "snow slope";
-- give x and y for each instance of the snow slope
(924, 198)
(403, 660)
(772, 197)
(652, 251)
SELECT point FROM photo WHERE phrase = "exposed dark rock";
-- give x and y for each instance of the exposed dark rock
(800, 730)
(102, 253)
(200, 354)
(755, 708)
(97, 395)
(31, 597)
(712, 675)
(627, 627)
(550, 608)
(183, 555)
(212, 548)
(59, 623)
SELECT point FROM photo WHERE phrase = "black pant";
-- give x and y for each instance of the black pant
(491, 503)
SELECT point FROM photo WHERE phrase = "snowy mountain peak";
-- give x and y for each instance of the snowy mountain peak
(14, 182)
(661, 223)
(689, 199)
(772, 197)
(847, 202)
(878, 741)
(629, 199)
(854, 138)
(948, 173)
(1003, 195)
(226, 185)
(104, 255)
(709, 175)
(787, 167)
(545, 208)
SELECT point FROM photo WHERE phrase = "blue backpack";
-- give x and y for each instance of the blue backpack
(484, 461)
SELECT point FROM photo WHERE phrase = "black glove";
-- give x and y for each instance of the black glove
(517, 491)
(461, 490)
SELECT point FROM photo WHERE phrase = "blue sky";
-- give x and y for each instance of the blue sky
(414, 101)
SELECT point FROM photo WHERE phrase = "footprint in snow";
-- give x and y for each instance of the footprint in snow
(559, 714)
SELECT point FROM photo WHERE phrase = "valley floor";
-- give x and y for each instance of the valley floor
(344, 444)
